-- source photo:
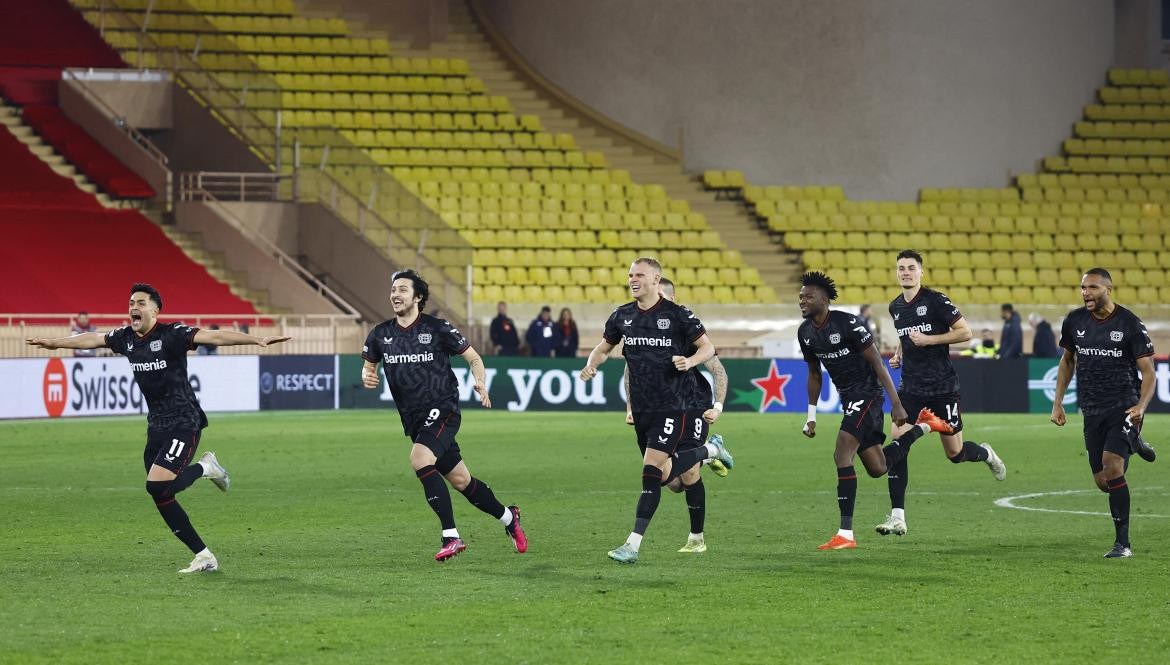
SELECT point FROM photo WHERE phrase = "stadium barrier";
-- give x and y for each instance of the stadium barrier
(64, 387)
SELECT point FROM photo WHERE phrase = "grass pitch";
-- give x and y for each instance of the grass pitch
(325, 547)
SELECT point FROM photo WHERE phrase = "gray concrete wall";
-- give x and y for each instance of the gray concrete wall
(883, 97)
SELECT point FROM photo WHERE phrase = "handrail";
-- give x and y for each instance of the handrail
(119, 121)
(189, 193)
(233, 186)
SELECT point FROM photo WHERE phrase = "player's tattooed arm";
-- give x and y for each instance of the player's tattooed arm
(1138, 411)
(1064, 373)
(370, 374)
(89, 340)
(897, 412)
(719, 373)
(959, 332)
(235, 338)
(475, 362)
(704, 351)
(814, 395)
(598, 355)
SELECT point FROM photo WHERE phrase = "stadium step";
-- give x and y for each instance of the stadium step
(214, 262)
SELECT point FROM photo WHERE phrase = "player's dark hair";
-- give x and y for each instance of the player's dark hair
(665, 281)
(910, 254)
(1101, 272)
(148, 290)
(422, 290)
(1007, 307)
(821, 281)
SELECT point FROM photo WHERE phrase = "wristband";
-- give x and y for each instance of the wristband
(812, 413)
(718, 406)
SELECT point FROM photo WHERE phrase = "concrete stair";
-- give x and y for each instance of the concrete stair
(779, 269)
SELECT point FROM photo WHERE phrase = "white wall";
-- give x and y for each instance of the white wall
(881, 96)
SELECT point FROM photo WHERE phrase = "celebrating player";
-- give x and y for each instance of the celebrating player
(844, 345)
(690, 481)
(415, 350)
(655, 332)
(1107, 345)
(158, 357)
(928, 323)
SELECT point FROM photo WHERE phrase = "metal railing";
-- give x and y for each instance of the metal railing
(192, 189)
(233, 186)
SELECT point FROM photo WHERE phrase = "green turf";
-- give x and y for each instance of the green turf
(326, 549)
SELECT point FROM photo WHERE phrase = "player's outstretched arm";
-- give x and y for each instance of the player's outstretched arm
(234, 338)
(475, 363)
(959, 332)
(598, 355)
(897, 412)
(89, 340)
(814, 395)
(704, 351)
(1064, 373)
(719, 373)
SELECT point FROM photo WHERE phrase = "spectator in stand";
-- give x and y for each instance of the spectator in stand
(82, 325)
(543, 334)
(567, 346)
(505, 339)
(867, 320)
(984, 347)
(1044, 340)
(1011, 340)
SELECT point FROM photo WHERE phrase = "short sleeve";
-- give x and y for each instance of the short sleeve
(181, 338)
(949, 310)
(370, 348)
(858, 335)
(451, 341)
(114, 340)
(691, 326)
(809, 356)
(612, 333)
(1066, 339)
(1140, 344)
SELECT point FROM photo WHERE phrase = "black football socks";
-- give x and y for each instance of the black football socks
(697, 505)
(846, 494)
(897, 478)
(481, 496)
(1119, 508)
(899, 448)
(971, 452)
(173, 514)
(648, 500)
(439, 498)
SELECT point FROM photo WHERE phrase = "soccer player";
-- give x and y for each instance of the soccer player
(158, 356)
(655, 333)
(690, 481)
(928, 323)
(844, 345)
(415, 351)
(1107, 345)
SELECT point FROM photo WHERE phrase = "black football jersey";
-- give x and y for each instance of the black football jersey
(926, 370)
(1107, 351)
(650, 338)
(704, 397)
(417, 363)
(159, 362)
(839, 345)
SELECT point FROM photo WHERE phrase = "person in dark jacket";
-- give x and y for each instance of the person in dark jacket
(543, 334)
(1044, 340)
(570, 340)
(1011, 340)
(505, 339)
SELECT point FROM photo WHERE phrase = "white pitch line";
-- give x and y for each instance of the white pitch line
(1009, 502)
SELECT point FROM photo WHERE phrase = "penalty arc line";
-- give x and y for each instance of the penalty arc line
(1009, 502)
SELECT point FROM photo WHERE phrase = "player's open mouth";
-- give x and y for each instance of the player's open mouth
(135, 317)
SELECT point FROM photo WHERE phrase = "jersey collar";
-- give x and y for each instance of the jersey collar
(148, 332)
(651, 309)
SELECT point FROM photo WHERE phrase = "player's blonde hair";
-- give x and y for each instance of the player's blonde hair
(650, 261)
